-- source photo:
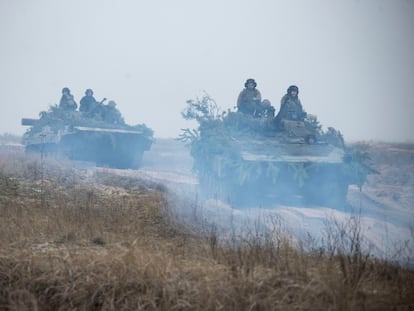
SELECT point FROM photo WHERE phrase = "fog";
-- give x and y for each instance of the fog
(382, 210)
(352, 60)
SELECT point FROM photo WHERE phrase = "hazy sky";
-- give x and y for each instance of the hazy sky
(352, 60)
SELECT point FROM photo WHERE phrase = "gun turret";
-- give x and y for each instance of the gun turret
(29, 121)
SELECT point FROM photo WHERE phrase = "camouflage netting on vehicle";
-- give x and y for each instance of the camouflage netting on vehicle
(242, 158)
(101, 138)
(59, 119)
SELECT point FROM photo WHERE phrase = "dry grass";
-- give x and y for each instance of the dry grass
(71, 239)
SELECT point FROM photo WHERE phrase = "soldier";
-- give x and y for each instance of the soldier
(267, 110)
(250, 101)
(67, 101)
(88, 103)
(111, 114)
(249, 98)
(90, 106)
(290, 106)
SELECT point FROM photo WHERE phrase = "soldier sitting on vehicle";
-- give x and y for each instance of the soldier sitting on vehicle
(250, 101)
(290, 106)
(89, 105)
(265, 109)
(111, 114)
(67, 101)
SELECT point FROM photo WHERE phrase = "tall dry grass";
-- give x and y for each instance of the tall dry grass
(82, 239)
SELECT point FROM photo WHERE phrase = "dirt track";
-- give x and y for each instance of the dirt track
(385, 206)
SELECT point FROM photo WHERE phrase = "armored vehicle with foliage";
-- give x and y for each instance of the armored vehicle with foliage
(75, 135)
(245, 160)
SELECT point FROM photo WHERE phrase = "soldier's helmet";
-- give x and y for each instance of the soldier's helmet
(250, 81)
(66, 90)
(293, 88)
(89, 91)
(266, 102)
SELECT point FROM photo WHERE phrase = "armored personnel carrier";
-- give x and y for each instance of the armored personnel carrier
(75, 135)
(245, 160)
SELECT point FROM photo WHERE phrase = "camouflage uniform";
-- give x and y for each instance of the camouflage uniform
(111, 114)
(88, 104)
(291, 107)
(248, 101)
(67, 101)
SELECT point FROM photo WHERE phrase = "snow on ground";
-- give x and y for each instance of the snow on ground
(383, 235)
(383, 211)
(385, 231)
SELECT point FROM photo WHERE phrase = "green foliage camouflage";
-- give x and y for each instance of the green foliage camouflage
(222, 136)
(102, 137)
(59, 119)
